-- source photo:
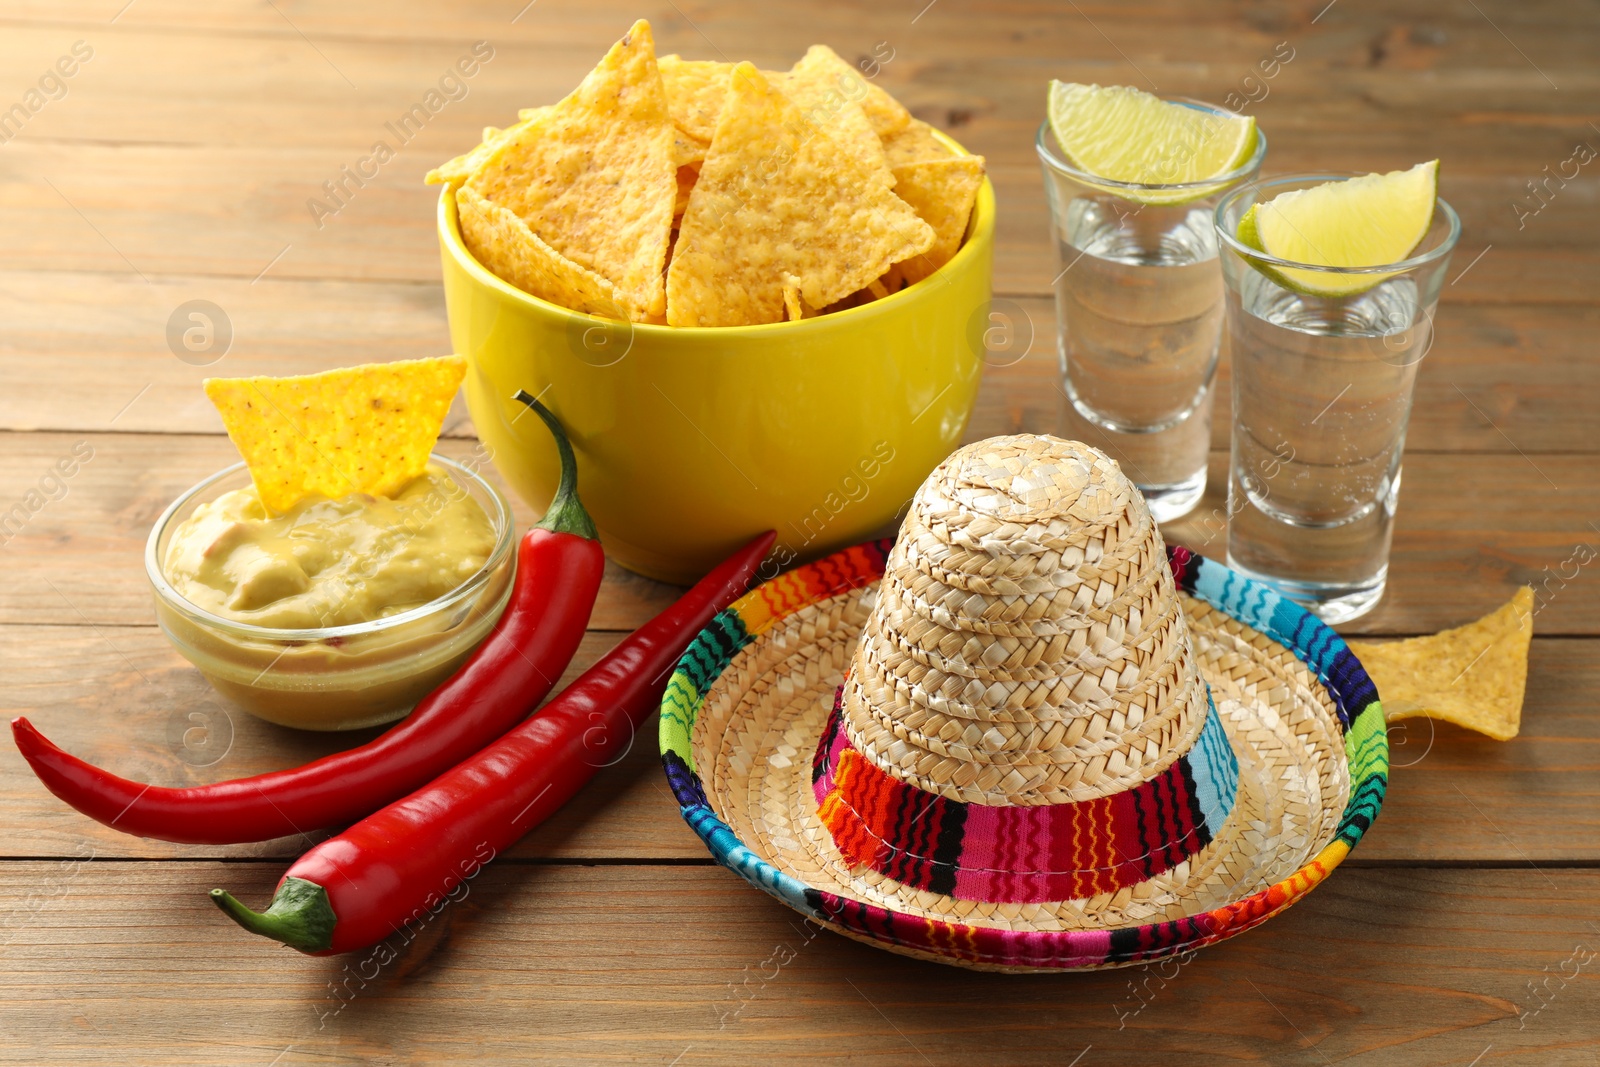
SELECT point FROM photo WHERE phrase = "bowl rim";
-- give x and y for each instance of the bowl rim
(980, 230)
(1261, 187)
(505, 537)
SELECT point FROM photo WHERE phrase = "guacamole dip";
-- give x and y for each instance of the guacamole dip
(329, 562)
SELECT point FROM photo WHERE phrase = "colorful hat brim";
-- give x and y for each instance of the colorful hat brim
(1258, 614)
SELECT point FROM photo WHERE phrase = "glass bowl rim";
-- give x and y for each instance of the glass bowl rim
(1053, 160)
(505, 536)
(1444, 247)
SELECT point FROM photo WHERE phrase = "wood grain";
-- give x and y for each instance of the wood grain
(102, 521)
(90, 177)
(121, 697)
(111, 963)
(111, 208)
(178, 166)
(1498, 378)
(1471, 528)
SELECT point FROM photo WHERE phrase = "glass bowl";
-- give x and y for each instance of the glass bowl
(335, 677)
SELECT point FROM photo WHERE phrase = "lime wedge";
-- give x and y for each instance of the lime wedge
(1360, 222)
(1127, 135)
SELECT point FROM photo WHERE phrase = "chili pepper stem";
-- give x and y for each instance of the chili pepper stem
(299, 915)
(565, 514)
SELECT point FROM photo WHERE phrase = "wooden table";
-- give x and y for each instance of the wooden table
(178, 166)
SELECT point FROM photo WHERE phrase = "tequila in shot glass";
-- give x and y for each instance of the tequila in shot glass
(1324, 363)
(1139, 307)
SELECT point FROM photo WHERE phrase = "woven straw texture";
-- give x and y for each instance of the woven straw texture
(1027, 647)
(744, 711)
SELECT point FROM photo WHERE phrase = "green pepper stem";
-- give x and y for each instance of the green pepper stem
(299, 915)
(565, 514)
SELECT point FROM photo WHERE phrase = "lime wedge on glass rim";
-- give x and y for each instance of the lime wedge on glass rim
(1368, 221)
(1127, 135)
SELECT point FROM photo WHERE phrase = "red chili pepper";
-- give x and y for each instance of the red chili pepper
(399, 865)
(559, 566)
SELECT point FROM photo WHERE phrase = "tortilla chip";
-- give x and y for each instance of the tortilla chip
(914, 144)
(832, 115)
(698, 89)
(366, 429)
(466, 165)
(793, 310)
(695, 89)
(502, 242)
(941, 192)
(686, 179)
(686, 150)
(595, 178)
(1473, 676)
(773, 201)
(822, 67)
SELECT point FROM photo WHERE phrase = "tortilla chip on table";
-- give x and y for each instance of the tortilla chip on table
(1473, 675)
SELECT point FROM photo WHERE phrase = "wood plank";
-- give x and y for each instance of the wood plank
(1471, 528)
(67, 678)
(243, 210)
(179, 166)
(1497, 379)
(61, 324)
(1361, 93)
(83, 554)
(1513, 801)
(1459, 50)
(1543, 25)
(121, 697)
(1517, 366)
(118, 963)
(368, 51)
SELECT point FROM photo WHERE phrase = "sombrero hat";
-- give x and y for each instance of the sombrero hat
(1025, 735)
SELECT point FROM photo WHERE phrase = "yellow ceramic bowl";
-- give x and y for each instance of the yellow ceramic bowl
(690, 441)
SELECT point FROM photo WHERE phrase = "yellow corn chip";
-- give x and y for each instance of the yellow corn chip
(827, 92)
(595, 178)
(686, 150)
(365, 429)
(822, 67)
(465, 166)
(772, 201)
(793, 310)
(1473, 676)
(941, 192)
(833, 115)
(686, 180)
(501, 241)
(914, 144)
(695, 91)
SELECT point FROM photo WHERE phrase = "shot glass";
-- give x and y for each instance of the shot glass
(1139, 315)
(1322, 391)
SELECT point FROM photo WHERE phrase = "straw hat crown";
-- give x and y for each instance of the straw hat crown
(1027, 646)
